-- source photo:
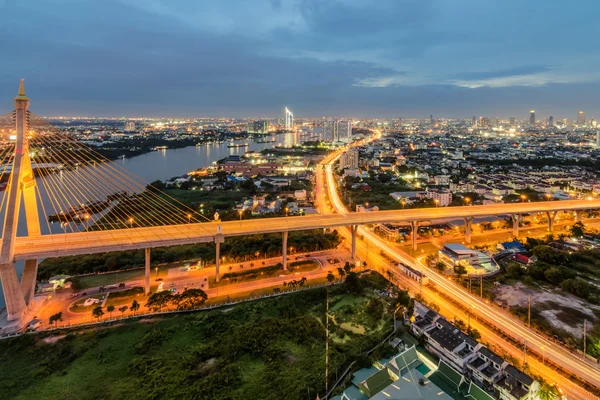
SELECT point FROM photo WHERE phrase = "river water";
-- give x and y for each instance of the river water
(166, 164)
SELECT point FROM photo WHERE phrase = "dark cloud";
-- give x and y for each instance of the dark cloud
(239, 58)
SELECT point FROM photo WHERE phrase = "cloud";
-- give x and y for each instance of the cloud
(239, 57)
(525, 70)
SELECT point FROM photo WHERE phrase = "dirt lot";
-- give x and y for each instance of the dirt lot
(561, 310)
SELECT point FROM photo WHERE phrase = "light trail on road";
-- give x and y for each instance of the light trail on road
(506, 323)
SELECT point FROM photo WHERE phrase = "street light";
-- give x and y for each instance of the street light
(548, 196)
(403, 202)
(189, 218)
(156, 269)
(286, 211)
(467, 200)
(240, 212)
(131, 222)
(437, 202)
(523, 197)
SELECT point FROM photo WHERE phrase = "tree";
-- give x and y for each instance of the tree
(578, 229)
(110, 308)
(330, 277)
(55, 318)
(460, 270)
(514, 271)
(547, 391)
(134, 306)
(190, 299)
(97, 312)
(341, 272)
(158, 300)
(348, 267)
(460, 324)
(554, 275)
(353, 284)
(302, 281)
(440, 266)
(123, 309)
(474, 333)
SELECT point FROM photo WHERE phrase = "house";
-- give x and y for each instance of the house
(414, 274)
(516, 385)
(453, 254)
(486, 369)
(513, 247)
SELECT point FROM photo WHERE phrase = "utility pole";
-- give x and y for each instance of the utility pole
(529, 311)
(326, 343)
(524, 352)
(584, 337)
(481, 286)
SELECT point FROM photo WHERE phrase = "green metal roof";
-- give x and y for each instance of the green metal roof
(477, 393)
(375, 383)
(453, 377)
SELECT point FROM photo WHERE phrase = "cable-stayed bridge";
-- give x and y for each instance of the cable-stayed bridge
(100, 207)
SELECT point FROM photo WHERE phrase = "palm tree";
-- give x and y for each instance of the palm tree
(330, 277)
(134, 306)
(341, 272)
(110, 308)
(547, 391)
(123, 309)
(97, 313)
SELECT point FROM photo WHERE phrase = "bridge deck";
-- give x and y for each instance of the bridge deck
(57, 245)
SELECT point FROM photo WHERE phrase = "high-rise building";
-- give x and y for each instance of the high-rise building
(343, 131)
(551, 121)
(349, 159)
(258, 127)
(474, 123)
(532, 117)
(512, 121)
(598, 139)
(129, 126)
(580, 118)
(329, 131)
(289, 119)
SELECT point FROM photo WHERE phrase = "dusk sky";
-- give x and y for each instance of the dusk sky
(355, 58)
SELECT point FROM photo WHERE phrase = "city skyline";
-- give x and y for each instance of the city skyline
(346, 58)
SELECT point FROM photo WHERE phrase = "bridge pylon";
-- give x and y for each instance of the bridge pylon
(21, 188)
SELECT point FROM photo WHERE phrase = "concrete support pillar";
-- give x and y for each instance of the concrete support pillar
(578, 216)
(354, 229)
(551, 215)
(284, 250)
(147, 271)
(217, 260)
(468, 225)
(414, 228)
(516, 218)
(28, 281)
(13, 295)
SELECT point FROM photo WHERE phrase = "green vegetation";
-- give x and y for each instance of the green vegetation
(374, 190)
(268, 349)
(238, 249)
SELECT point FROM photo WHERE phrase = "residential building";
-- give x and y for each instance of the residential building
(349, 159)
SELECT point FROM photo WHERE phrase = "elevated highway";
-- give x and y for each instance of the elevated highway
(70, 244)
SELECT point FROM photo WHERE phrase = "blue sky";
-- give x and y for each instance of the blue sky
(360, 58)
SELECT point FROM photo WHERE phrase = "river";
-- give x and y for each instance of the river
(165, 164)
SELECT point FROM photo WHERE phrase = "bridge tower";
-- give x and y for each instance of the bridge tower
(21, 188)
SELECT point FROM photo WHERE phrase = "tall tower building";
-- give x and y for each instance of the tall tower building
(474, 122)
(580, 118)
(349, 159)
(512, 121)
(551, 121)
(343, 131)
(289, 119)
(329, 131)
(532, 117)
(598, 139)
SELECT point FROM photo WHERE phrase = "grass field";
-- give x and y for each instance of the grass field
(267, 349)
